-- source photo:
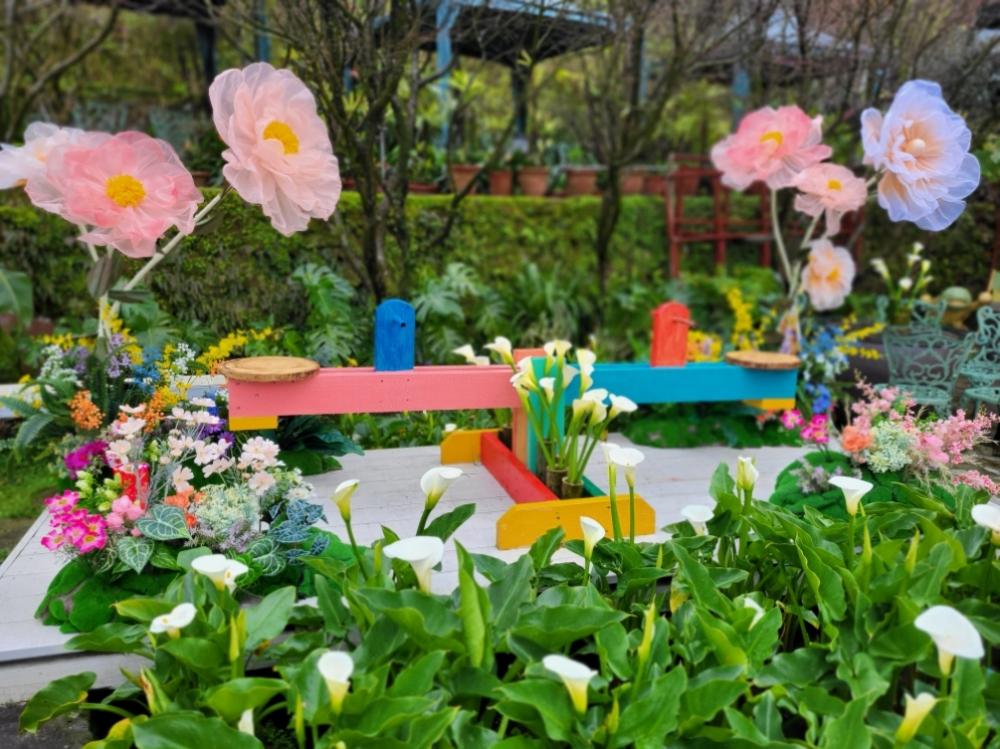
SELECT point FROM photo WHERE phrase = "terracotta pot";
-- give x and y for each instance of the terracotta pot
(501, 182)
(554, 480)
(533, 180)
(201, 177)
(631, 181)
(582, 180)
(654, 184)
(572, 489)
(462, 175)
(422, 188)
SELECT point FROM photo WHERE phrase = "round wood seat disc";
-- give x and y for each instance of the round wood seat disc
(762, 360)
(268, 368)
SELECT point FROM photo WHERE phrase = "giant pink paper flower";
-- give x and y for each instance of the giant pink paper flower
(770, 145)
(922, 149)
(129, 188)
(831, 189)
(279, 154)
(828, 275)
(21, 164)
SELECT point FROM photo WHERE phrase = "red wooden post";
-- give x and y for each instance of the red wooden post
(671, 321)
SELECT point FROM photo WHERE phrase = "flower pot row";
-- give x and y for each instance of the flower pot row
(580, 180)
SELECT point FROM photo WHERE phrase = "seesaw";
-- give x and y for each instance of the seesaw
(265, 388)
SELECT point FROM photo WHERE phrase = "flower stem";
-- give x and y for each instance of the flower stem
(423, 520)
(631, 512)
(354, 548)
(616, 523)
(779, 239)
(105, 708)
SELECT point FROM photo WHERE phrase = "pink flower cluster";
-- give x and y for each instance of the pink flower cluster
(977, 480)
(816, 431)
(73, 526)
(125, 510)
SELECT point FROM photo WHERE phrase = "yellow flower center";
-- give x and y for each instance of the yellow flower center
(125, 190)
(834, 184)
(916, 145)
(772, 135)
(284, 134)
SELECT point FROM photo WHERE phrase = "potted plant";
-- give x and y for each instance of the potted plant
(654, 182)
(532, 174)
(426, 168)
(501, 180)
(465, 167)
(581, 173)
(631, 180)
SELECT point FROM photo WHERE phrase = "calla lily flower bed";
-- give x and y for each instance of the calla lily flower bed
(750, 626)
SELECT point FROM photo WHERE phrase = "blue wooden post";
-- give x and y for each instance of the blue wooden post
(395, 334)
(444, 20)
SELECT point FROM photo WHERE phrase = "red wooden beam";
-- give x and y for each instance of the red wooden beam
(514, 476)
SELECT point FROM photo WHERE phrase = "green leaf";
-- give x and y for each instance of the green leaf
(553, 627)
(16, 296)
(31, 428)
(268, 619)
(825, 584)
(427, 729)
(186, 730)
(443, 526)
(164, 523)
(431, 624)
(231, 698)
(612, 647)
(58, 697)
(143, 609)
(103, 274)
(185, 557)
(473, 610)
(650, 717)
(196, 653)
(546, 699)
(511, 589)
(849, 729)
(134, 552)
(700, 582)
(113, 637)
(799, 668)
(704, 701)
(545, 546)
(417, 679)
(132, 296)
(265, 553)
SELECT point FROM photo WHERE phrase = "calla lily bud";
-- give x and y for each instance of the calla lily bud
(435, 482)
(336, 668)
(557, 349)
(246, 722)
(586, 359)
(746, 474)
(621, 405)
(342, 497)
(582, 407)
(853, 489)
(575, 676)
(181, 616)
(758, 610)
(881, 268)
(220, 569)
(678, 597)
(548, 386)
(421, 552)
(466, 352)
(952, 633)
(917, 708)
(648, 630)
(592, 533)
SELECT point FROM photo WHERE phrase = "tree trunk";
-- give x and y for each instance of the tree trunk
(607, 220)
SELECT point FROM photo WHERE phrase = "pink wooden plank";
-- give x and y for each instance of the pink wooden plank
(363, 390)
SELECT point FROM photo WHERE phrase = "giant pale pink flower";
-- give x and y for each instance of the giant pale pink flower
(129, 188)
(770, 145)
(921, 147)
(831, 189)
(279, 154)
(828, 275)
(21, 164)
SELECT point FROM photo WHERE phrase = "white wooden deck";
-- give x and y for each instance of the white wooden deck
(32, 654)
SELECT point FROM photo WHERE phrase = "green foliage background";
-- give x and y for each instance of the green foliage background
(241, 270)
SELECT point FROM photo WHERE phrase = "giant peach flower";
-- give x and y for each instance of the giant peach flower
(129, 188)
(279, 154)
(921, 148)
(831, 189)
(770, 145)
(20, 164)
(828, 275)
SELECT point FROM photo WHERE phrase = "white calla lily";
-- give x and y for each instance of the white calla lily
(336, 667)
(548, 386)
(988, 516)
(698, 516)
(435, 482)
(917, 708)
(502, 347)
(557, 348)
(627, 458)
(592, 533)
(575, 676)
(586, 359)
(597, 395)
(246, 722)
(342, 497)
(480, 361)
(220, 569)
(621, 405)
(853, 489)
(598, 414)
(953, 635)
(746, 474)
(173, 622)
(466, 352)
(582, 407)
(421, 552)
(758, 610)
(569, 373)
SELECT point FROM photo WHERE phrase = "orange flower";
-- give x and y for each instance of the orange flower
(855, 440)
(181, 499)
(86, 416)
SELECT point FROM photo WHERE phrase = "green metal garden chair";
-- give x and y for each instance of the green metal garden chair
(983, 369)
(922, 314)
(925, 364)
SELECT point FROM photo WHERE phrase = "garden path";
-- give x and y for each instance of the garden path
(32, 654)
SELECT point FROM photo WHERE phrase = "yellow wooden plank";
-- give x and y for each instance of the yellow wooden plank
(462, 446)
(243, 423)
(772, 404)
(523, 523)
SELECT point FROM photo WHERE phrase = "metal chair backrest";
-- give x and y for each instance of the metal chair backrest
(922, 357)
(927, 314)
(987, 338)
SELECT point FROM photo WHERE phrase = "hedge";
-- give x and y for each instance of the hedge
(240, 271)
